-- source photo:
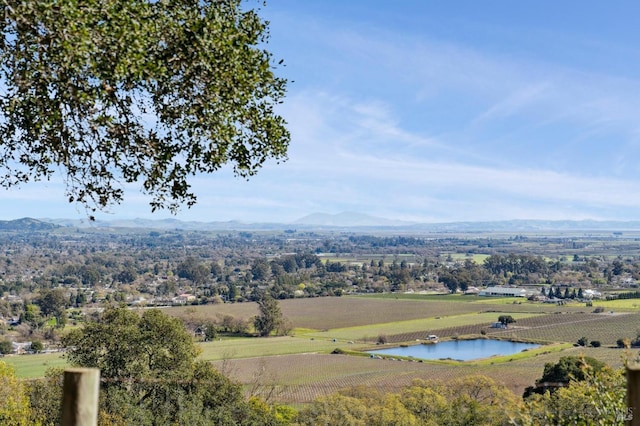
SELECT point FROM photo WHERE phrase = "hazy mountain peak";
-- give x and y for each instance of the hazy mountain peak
(25, 223)
(347, 219)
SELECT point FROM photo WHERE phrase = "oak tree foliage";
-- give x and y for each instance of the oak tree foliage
(471, 400)
(151, 374)
(597, 399)
(506, 320)
(110, 92)
(126, 346)
(567, 369)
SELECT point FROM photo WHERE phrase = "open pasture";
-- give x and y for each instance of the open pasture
(476, 257)
(34, 365)
(516, 304)
(418, 328)
(632, 305)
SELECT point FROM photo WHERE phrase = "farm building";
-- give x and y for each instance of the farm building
(503, 292)
(591, 294)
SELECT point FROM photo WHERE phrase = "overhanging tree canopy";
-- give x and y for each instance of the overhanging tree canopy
(109, 92)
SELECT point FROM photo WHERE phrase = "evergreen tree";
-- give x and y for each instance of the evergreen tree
(270, 317)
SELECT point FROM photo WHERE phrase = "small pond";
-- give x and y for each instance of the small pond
(463, 350)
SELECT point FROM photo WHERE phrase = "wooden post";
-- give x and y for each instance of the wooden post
(633, 395)
(80, 397)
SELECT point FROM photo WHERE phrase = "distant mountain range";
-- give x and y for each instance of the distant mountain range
(26, 224)
(343, 222)
(349, 219)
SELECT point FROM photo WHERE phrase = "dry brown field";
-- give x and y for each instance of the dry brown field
(328, 313)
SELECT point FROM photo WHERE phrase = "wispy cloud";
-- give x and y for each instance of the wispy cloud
(514, 103)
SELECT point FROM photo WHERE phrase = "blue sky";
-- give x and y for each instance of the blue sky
(434, 111)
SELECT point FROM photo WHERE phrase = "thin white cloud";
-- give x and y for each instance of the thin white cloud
(505, 85)
(514, 103)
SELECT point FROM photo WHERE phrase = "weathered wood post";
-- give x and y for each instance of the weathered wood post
(633, 395)
(80, 397)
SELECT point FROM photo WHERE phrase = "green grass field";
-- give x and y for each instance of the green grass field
(33, 366)
(632, 305)
(477, 258)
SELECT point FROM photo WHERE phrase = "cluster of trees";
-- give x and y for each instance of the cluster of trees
(150, 375)
(577, 391)
(164, 264)
(561, 373)
(465, 401)
(506, 320)
(625, 295)
(558, 293)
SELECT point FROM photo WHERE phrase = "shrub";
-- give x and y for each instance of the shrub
(37, 346)
(5, 347)
(623, 342)
(382, 339)
(506, 319)
(583, 341)
(595, 343)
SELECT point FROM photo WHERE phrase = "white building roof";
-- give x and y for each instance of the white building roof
(503, 291)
